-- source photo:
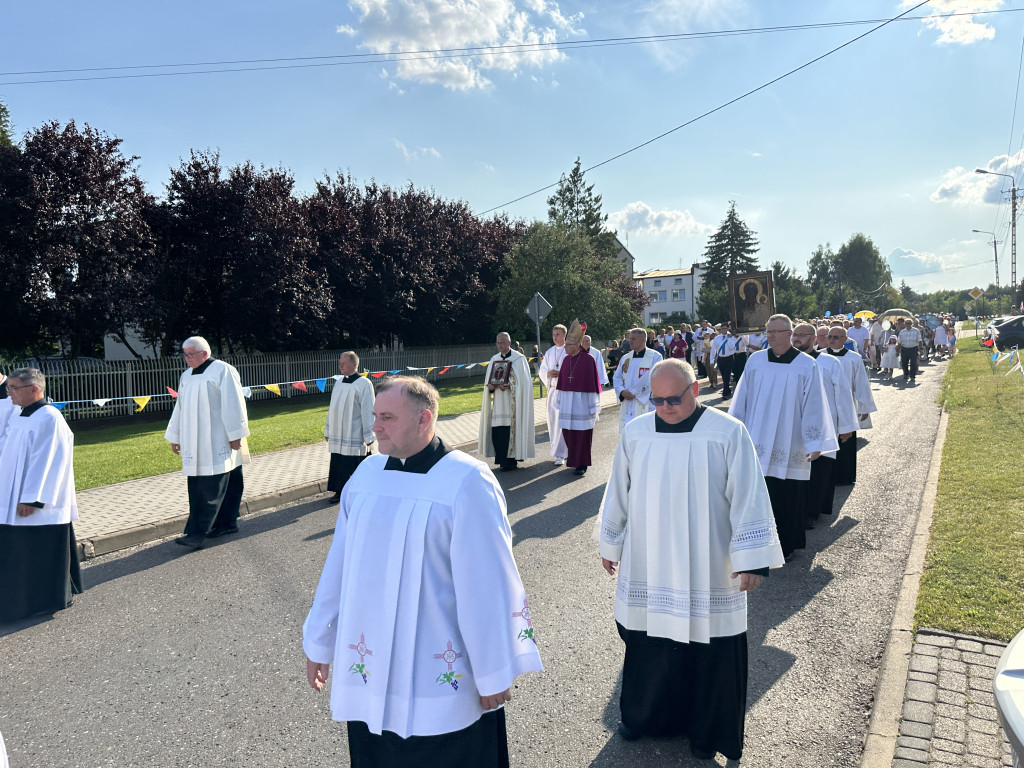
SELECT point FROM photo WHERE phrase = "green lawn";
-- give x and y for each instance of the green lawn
(112, 454)
(975, 562)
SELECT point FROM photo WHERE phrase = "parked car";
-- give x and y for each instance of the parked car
(1009, 334)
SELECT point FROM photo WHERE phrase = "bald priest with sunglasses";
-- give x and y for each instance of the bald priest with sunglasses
(686, 551)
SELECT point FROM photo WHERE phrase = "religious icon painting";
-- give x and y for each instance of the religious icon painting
(500, 371)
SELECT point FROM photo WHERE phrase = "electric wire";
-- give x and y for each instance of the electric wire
(307, 62)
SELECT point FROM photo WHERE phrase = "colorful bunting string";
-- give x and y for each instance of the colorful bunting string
(142, 401)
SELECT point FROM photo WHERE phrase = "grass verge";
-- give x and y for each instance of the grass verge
(113, 454)
(975, 563)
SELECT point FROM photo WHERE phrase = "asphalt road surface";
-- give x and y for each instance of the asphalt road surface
(173, 658)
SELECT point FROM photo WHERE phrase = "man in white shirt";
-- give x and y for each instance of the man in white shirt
(207, 429)
(726, 347)
(909, 341)
(860, 335)
(877, 336)
(420, 608)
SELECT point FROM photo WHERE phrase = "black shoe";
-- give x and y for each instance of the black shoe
(508, 467)
(335, 499)
(789, 557)
(702, 754)
(191, 541)
(217, 532)
(627, 733)
(580, 471)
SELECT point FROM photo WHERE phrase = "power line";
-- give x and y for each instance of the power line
(350, 59)
(712, 111)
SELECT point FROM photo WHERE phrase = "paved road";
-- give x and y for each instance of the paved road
(178, 659)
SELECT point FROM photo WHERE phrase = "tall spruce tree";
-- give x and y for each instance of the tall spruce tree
(574, 207)
(730, 250)
(6, 129)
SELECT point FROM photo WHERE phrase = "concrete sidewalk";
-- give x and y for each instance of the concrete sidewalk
(138, 511)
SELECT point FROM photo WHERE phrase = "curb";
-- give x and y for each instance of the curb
(106, 543)
(887, 709)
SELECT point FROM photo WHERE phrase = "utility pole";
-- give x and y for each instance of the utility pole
(995, 254)
(1013, 228)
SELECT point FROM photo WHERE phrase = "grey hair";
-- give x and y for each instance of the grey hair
(641, 331)
(31, 376)
(196, 342)
(505, 334)
(788, 320)
(419, 392)
(681, 367)
(352, 357)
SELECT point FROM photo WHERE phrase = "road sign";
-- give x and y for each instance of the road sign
(538, 308)
(975, 294)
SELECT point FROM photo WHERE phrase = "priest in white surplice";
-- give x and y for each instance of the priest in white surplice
(631, 382)
(821, 489)
(549, 366)
(506, 429)
(420, 608)
(349, 428)
(7, 408)
(207, 429)
(687, 517)
(594, 352)
(782, 402)
(38, 556)
(846, 459)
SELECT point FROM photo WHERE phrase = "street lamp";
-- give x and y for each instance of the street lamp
(995, 253)
(1013, 227)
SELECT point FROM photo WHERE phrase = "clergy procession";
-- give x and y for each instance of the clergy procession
(420, 622)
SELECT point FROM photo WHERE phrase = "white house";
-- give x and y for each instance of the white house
(670, 291)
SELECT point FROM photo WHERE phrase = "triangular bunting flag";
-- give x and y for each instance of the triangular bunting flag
(102, 401)
(275, 388)
(996, 358)
(364, 374)
(247, 391)
(378, 374)
(471, 365)
(59, 406)
(321, 384)
(394, 373)
(142, 402)
(338, 376)
(173, 393)
(300, 385)
(429, 369)
(443, 370)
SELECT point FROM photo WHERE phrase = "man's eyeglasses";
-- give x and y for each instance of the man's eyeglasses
(671, 402)
(23, 386)
(784, 330)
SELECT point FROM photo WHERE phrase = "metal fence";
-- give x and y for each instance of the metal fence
(81, 383)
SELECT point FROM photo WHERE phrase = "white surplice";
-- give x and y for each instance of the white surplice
(36, 465)
(7, 409)
(349, 427)
(633, 375)
(859, 384)
(839, 395)
(420, 608)
(602, 368)
(785, 410)
(208, 415)
(552, 361)
(511, 408)
(682, 512)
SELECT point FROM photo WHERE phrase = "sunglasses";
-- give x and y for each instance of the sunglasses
(672, 402)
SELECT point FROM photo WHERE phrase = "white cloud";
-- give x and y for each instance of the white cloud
(638, 218)
(345, 29)
(964, 186)
(959, 29)
(906, 261)
(397, 26)
(418, 153)
(754, 154)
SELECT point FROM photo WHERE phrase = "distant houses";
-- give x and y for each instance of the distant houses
(671, 291)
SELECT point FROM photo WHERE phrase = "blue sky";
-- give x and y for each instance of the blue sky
(881, 137)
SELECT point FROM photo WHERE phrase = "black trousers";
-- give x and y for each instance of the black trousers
(821, 491)
(501, 436)
(846, 462)
(908, 359)
(789, 502)
(342, 468)
(698, 690)
(725, 366)
(483, 744)
(213, 502)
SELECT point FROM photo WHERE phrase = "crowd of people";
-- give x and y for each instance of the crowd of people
(425, 681)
